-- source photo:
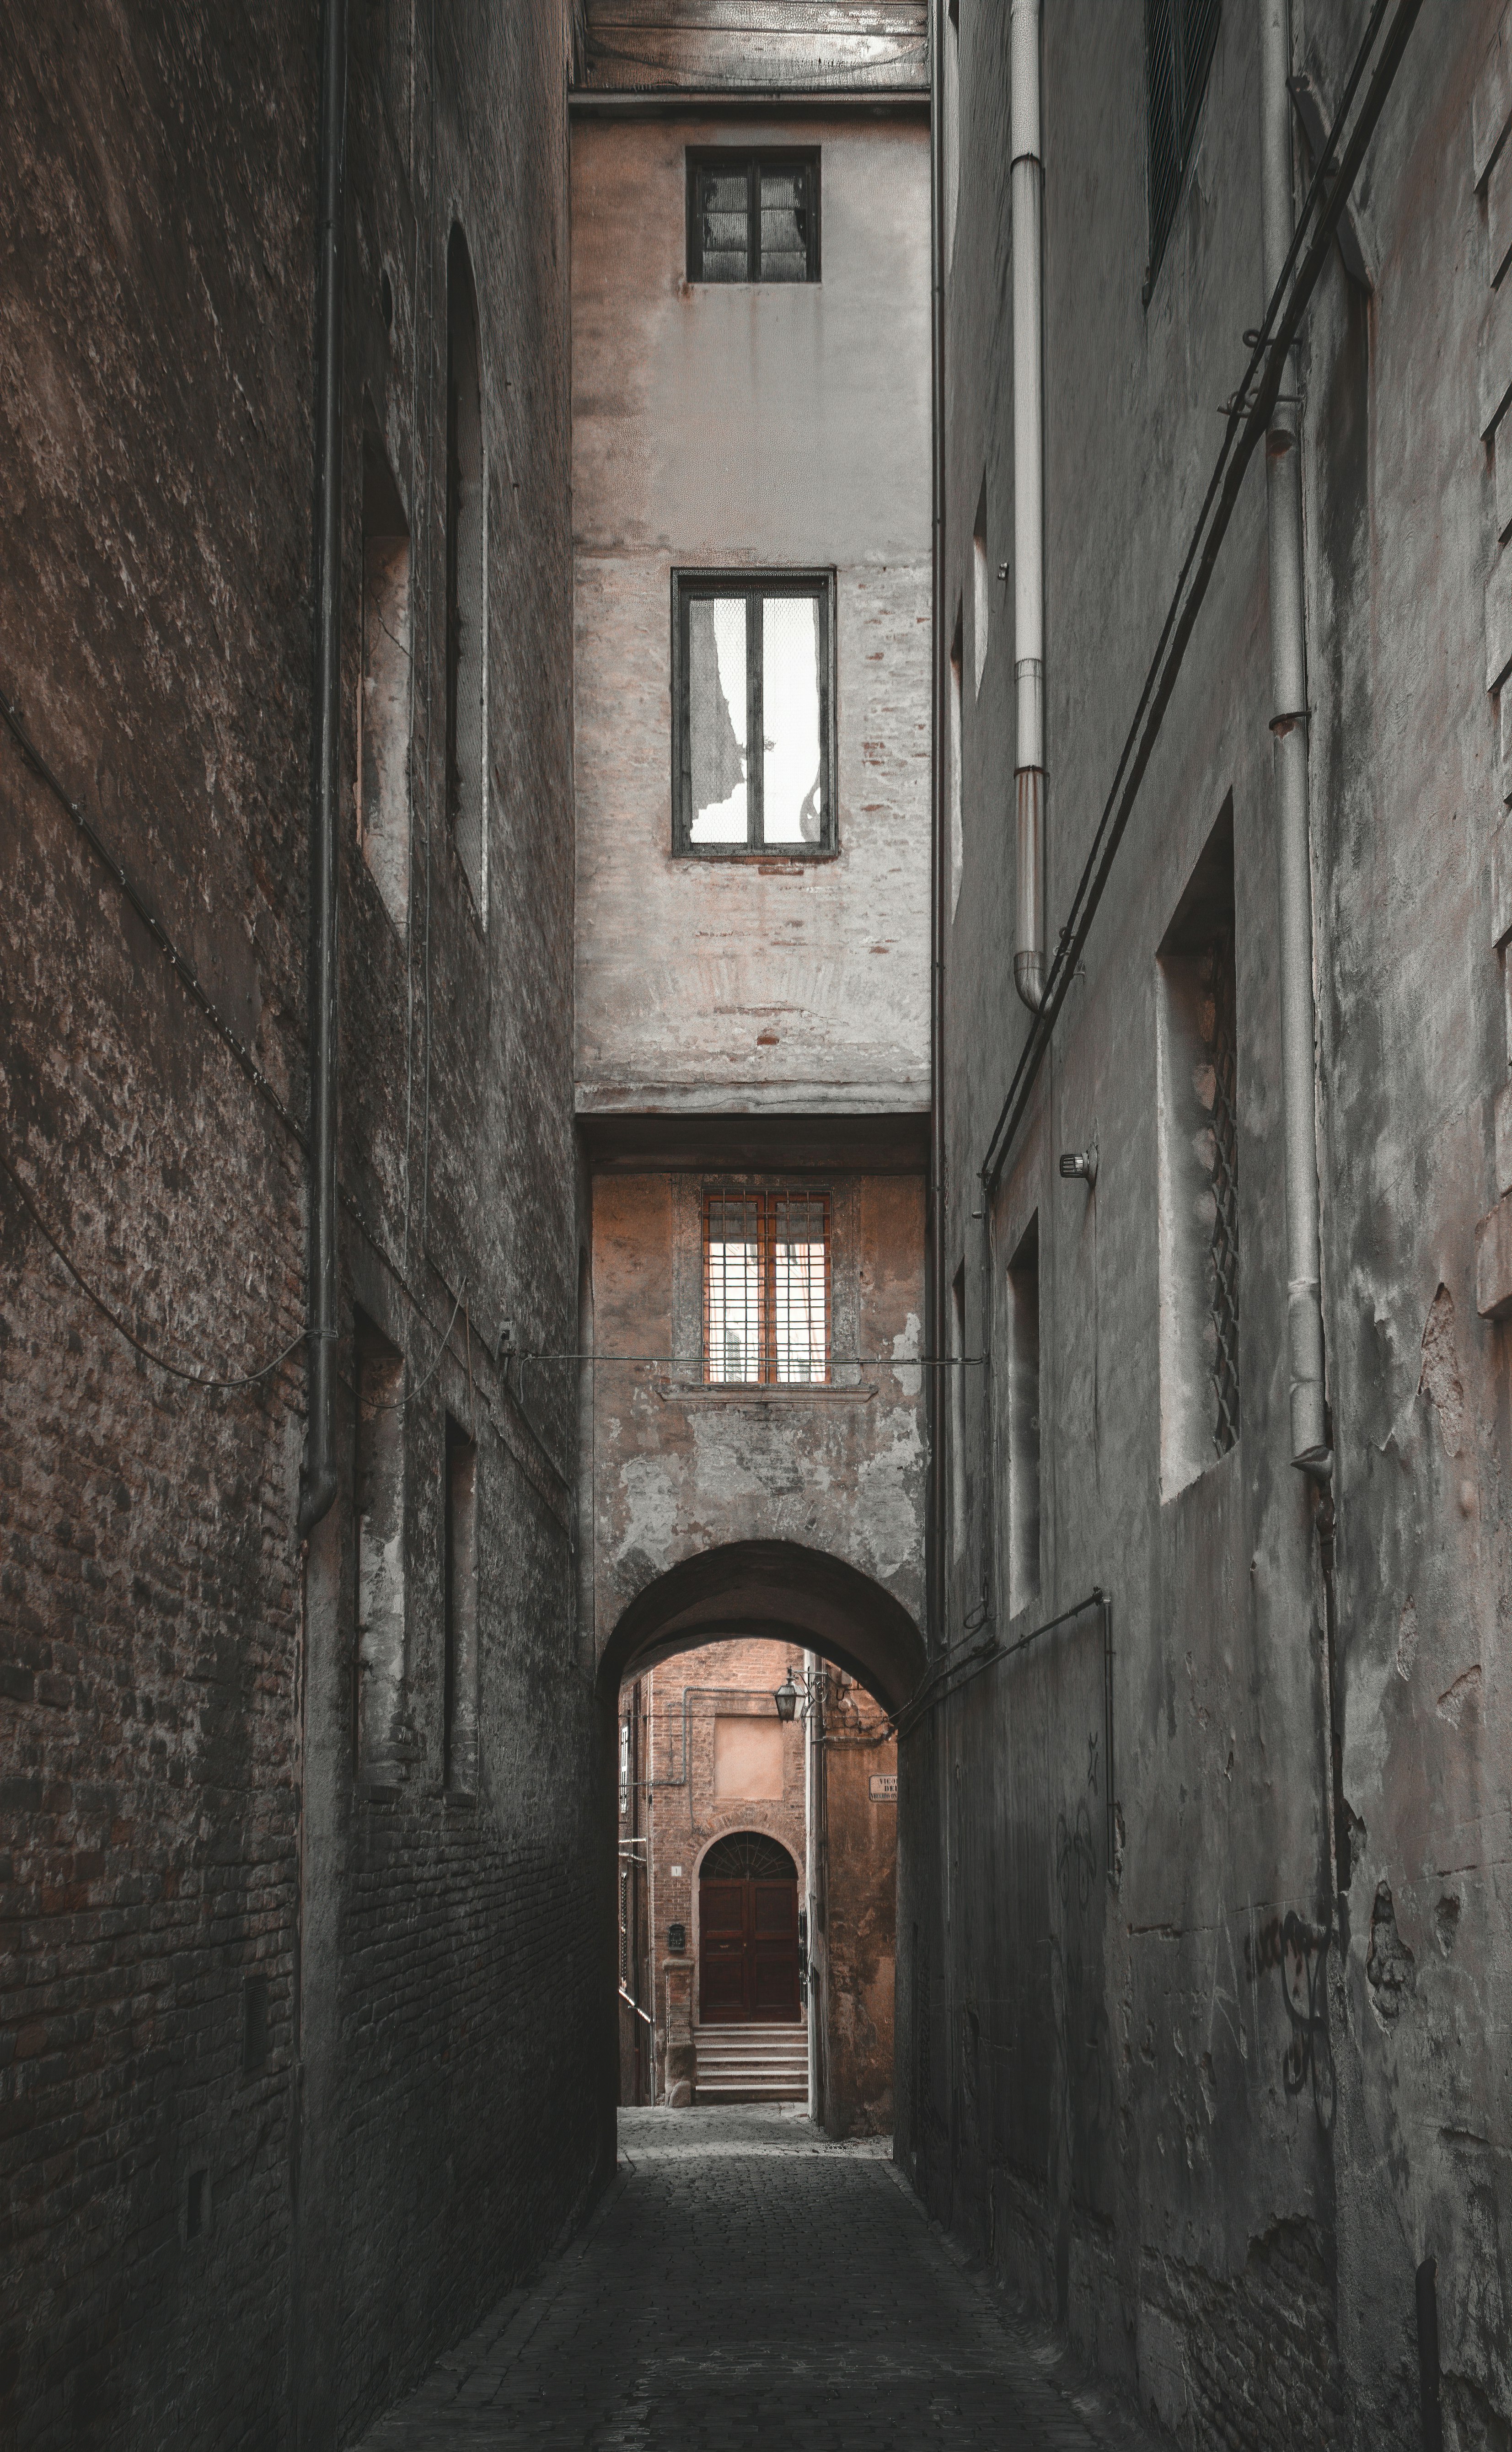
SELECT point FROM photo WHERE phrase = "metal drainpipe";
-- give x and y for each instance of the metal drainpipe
(320, 1467)
(1288, 664)
(1028, 497)
(934, 1395)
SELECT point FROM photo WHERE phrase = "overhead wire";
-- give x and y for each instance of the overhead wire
(177, 962)
(197, 1378)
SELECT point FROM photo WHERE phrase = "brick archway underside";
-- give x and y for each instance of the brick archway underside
(773, 1590)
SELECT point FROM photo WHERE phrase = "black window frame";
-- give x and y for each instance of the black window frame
(1181, 39)
(726, 158)
(689, 586)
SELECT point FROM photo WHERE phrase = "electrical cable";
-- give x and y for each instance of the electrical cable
(969, 1665)
(693, 1362)
(397, 1403)
(159, 1361)
(178, 962)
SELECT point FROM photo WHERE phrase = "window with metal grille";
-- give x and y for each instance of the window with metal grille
(1199, 1171)
(766, 1288)
(754, 754)
(753, 216)
(1180, 36)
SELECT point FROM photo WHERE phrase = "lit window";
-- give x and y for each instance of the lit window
(766, 1288)
(753, 216)
(753, 658)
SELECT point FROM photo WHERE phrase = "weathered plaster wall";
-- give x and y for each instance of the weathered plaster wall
(1250, 2135)
(679, 1470)
(772, 427)
(855, 1939)
(182, 1822)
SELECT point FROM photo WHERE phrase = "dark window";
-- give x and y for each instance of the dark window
(380, 1497)
(467, 763)
(753, 216)
(1023, 1420)
(460, 1768)
(254, 2022)
(1179, 39)
(751, 662)
(1198, 1131)
(383, 701)
(766, 1288)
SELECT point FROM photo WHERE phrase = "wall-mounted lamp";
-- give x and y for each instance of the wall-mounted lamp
(790, 1694)
(1080, 1165)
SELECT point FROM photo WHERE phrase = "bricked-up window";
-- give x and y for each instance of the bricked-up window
(380, 1495)
(752, 656)
(384, 698)
(753, 216)
(1198, 1136)
(766, 1288)
(466, 562)
(1023, 1420)
(1179, 40)
(461, 1706)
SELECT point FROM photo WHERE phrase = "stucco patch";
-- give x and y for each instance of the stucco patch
(1440, 1381)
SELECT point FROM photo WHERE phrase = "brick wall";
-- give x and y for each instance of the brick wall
(185, 1848)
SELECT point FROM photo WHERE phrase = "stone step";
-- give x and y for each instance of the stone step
(725, 2062)
(751, 2064)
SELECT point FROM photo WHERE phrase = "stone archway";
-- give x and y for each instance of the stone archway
(809, 1599)
(796, 1600)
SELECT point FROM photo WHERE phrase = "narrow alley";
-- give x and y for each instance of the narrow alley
(755, 1225)
(747, 2282)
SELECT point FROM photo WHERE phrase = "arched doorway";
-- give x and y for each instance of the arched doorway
(671, 1672)
(748, 1934)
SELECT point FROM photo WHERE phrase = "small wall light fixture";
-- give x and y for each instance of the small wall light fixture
(802, 1694)
(1080, 1165)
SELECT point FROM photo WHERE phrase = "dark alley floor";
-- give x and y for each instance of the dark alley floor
(745, 2281)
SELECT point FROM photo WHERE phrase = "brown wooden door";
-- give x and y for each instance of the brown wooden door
(748, 1953)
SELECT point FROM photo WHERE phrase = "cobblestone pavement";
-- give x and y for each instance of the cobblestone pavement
(745, 2281)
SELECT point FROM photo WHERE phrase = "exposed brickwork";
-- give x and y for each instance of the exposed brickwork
(178, 1686)
(1259, 2353)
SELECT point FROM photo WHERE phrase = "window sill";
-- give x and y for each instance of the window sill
(734, 1391)
(770, 860)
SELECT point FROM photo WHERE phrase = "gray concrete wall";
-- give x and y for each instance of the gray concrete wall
(766, 426)
(1251, 2135)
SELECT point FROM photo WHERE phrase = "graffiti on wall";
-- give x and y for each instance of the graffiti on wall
(1299, 1953)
